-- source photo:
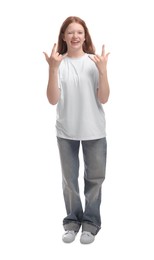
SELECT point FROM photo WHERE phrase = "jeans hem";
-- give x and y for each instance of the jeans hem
(72, 225)
(90, 227)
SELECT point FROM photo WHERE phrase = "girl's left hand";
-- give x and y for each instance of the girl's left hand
(100, 61)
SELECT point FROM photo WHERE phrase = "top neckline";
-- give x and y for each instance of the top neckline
(77, 58)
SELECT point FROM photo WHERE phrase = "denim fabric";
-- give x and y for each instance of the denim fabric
(94, 155)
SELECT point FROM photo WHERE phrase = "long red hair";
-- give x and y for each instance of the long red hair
(88, 46)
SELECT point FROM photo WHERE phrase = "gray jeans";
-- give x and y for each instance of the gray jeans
(94, 155)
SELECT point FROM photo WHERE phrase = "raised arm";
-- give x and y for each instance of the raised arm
(53, 91)
(103, 88)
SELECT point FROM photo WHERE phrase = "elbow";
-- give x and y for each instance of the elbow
(103, 100)
(103, 97)
(52, 101)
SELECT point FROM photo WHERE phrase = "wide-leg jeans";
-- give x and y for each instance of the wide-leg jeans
(94, 157)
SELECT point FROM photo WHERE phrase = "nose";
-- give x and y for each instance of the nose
(75, 35)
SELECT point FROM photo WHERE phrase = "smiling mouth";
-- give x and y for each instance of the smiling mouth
(74, 41)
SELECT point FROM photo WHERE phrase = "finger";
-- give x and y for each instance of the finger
(92, 58)
(46, 55)
(107, 55)
(103, 50)
(54, 49)
(97, 57)
(62, 56)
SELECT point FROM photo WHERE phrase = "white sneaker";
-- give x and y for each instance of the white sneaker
(69, 236)
(86, 237)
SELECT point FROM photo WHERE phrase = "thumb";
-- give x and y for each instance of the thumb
(46, 55)
(107, 55)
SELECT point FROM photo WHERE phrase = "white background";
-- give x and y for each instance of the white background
(31, 202)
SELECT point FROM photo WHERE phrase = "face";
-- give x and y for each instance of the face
(74, 36)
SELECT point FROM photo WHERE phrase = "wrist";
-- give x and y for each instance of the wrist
(103, 72)
(53, 69)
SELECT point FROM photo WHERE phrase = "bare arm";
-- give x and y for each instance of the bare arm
(53, 91)
(103, 85)
(103, 89)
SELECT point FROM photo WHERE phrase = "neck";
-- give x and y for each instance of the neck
(75, 53)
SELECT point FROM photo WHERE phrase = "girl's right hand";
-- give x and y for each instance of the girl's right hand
(55, 58)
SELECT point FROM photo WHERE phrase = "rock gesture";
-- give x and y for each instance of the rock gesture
(55, 58)
(100, 61)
